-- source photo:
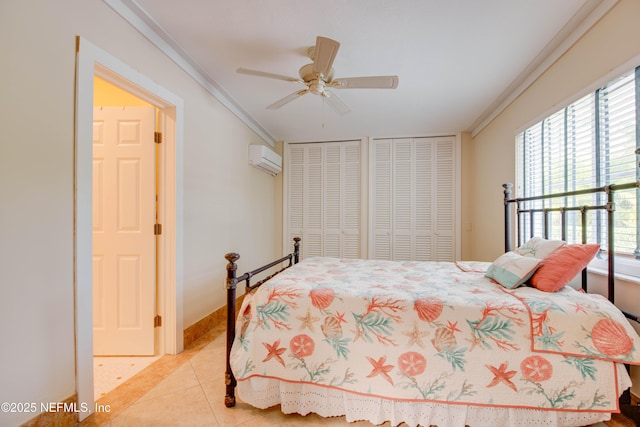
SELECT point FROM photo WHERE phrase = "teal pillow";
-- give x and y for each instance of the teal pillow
(512, 269)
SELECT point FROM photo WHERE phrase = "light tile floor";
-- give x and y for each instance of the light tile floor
(188, 390)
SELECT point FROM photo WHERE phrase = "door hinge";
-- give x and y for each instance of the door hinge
(157, 229)
(157, 137)
(157, 321)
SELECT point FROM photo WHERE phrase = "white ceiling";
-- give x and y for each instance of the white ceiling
(457, 60)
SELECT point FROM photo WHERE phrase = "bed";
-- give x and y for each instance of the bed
(433, 343)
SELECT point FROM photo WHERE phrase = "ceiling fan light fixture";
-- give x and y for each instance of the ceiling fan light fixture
(317, 87)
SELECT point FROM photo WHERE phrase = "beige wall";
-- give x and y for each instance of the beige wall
(228, 206)
(613, 41)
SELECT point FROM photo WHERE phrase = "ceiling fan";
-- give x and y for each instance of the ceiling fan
(318, 77)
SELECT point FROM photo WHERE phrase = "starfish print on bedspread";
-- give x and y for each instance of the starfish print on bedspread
(274, 351)
(379, 368)
(501, 375)
(416, 336)
(308, 321)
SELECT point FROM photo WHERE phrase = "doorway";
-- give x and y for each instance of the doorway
(93, 61)
(124, 244)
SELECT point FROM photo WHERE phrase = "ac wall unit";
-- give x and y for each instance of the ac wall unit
(265, 159)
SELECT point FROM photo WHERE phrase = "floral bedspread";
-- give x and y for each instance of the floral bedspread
(437, 332)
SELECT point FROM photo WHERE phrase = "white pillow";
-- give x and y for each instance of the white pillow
(538, 247)
(512, 269)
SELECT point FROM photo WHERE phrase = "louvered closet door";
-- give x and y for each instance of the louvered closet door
(413, 199)
(382, 168)
(352, 196)
(424, 191)
(313, 207)
(324, 194)
(403, 210)
(333, 200)
(444, 180)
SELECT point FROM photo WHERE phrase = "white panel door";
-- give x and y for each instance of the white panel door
(124, 251)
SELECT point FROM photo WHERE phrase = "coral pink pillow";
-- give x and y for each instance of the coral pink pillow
(562, 266)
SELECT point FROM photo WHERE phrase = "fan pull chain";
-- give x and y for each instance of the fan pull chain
(323, 102)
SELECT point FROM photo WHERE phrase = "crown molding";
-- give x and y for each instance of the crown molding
(139, 19)
(583, 20)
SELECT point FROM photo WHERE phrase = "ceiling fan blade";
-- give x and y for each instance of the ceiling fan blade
(325, 53)
(268, 75)
(371, 82)
(287, 99)
(336, 103)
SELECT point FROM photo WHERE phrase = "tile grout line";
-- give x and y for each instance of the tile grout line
(211, 407)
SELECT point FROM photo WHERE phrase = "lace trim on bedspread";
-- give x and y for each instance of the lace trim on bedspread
(326, 402)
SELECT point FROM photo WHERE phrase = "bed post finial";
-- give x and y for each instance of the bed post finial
(296, 250)
(232, 257)
(229, 378)
(507, 191)
(507, 216)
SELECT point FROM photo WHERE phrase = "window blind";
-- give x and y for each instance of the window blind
(590, 143)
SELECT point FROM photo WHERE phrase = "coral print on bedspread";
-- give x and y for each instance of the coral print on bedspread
(433, 332)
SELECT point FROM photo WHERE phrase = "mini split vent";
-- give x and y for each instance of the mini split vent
(261, 157)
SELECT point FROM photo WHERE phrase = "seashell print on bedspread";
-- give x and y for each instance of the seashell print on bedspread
(575, 323)
(432, 332)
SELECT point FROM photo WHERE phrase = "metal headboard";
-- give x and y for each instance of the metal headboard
(609, 207)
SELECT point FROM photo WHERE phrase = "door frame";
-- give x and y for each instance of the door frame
(92, 61)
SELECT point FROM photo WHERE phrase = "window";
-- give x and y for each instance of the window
(590, 143)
